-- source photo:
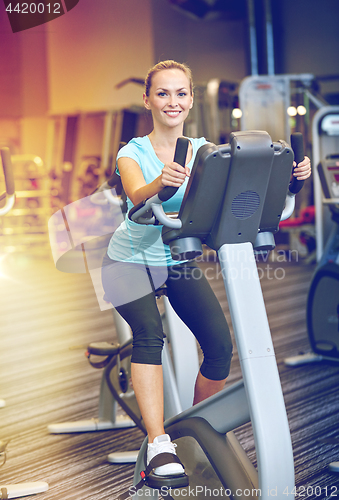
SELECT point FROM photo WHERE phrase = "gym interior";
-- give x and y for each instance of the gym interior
(71, 91)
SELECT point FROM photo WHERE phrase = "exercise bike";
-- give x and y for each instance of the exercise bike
(323, 296)
(8, 491)
(8, 195)
(233, 203)
(115, 389)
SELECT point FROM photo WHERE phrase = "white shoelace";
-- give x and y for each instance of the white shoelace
(165, 447)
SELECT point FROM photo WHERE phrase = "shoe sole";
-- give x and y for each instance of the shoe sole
(157, 482)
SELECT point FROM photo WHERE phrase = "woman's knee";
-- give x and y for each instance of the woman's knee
(217, 362)
(216, 369)
(148, 342)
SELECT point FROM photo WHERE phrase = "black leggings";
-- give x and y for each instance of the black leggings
(130, 288)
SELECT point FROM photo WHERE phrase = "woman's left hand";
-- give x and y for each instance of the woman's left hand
(303, 170)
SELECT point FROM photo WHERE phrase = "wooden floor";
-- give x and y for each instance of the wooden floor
(47, 317)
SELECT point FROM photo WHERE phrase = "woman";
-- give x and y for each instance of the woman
(138, 262)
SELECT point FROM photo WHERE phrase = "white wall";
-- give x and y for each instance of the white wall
(94, 47)
(213, 49)
(74, 62)
(310, 31)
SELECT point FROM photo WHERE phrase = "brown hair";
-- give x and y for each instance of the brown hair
(169, 64)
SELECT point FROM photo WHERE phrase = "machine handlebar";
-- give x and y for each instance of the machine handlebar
(153, 205)
(9, 194)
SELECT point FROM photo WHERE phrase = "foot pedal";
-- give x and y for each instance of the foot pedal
(156, 481)
(159, 482)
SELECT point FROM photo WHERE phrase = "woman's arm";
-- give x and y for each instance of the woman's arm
(134, 183)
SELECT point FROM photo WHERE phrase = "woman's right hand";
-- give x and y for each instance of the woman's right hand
(174, 174)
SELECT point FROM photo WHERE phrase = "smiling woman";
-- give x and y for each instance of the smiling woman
(169, 96)
(170, 100)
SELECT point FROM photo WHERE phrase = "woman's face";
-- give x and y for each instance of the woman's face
(169, 98)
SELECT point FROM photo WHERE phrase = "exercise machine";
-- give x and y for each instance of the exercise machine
(115, 388)
(322, 308)
(323, 296)
(234, 201)
(325, 141)
(8, 491)
(9, 196)
(265, 101)
(322, 311)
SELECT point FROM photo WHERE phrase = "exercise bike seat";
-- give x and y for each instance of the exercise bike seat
(103, 349)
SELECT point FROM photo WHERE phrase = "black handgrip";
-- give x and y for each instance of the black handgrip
(8, 170)
(114, 180)
(297, 144)
(179, 157)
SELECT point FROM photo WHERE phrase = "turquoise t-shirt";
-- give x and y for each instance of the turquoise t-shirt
(139, 243)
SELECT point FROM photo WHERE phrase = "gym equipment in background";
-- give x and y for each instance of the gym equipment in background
(265, 101)
(323, 296)
(325, 142)
(22, 489)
